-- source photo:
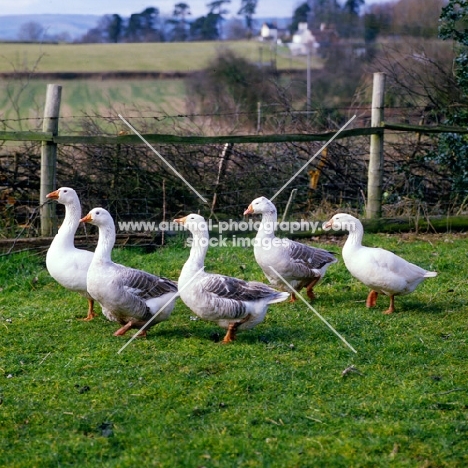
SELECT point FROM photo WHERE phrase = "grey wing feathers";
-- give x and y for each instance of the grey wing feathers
(146, 285)
(227, 287)
(309, 257)
(229, 296)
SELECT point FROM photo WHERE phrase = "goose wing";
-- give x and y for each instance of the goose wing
(229, 296)
(227, 287)
(305, 260)
(145, 285)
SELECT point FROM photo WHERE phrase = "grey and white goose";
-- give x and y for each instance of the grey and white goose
(131, 296)
(302, 266)
(232, 303)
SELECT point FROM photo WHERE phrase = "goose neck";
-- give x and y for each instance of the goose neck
(199, 246)
(70, 223)
(268, 224)
(356, 232)
(105, 243)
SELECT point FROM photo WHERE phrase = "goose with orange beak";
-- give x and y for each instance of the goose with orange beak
(65, 263)
(380, 270)
(132, 297)
(302, 266)
(232, 303)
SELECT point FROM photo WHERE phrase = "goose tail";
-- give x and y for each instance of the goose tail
(430, 274)
(278, 297)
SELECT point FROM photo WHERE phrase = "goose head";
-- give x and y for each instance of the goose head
(98, 217)
(193, 222)
(342, 222)
(260, 205)
(64, 195)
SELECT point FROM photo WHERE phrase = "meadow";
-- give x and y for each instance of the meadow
(142, 57)
(22, 98)
(283, 395)
(89, 97)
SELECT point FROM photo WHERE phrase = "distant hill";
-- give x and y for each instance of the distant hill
(74, 25)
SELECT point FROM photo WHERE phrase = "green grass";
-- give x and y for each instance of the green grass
(274, 398)
(22, 100)
(158, 57)
(80, 97)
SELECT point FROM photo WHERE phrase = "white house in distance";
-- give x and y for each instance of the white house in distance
(317, 41)
(269, 32)
(303, 40)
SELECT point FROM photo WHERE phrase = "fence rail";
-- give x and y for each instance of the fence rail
(222, 139)
(52, 139)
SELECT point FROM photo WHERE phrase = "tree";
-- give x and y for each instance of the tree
(151, 31)
(416, 17)
(144, 26)
(453, 148)
(31, 32)
(247, 9)
(179, 22)
(115, 28)
(231, 85)
(323, 11)
(133, 31)
(205, 28)
(216, 9)
(351, 20)
(300, 15)
(353, 6)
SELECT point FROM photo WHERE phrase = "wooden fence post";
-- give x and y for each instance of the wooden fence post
(49, 159)
(376, 160)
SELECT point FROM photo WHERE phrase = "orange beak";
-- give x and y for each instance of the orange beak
(249, 210)
(180, 220)
(328, 224)
(53, 195)
(86, 219)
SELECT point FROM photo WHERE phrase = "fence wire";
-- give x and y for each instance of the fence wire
(135, 185)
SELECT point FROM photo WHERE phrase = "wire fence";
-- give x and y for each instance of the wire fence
(135, 185)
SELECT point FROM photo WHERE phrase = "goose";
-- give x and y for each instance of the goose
(65, 263)
(132, 297)
(382, 271)
(232, 303)
(299, 264)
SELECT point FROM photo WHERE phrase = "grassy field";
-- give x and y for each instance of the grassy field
(277, 397)
(80, 97)
(22, 100)
(157, 57)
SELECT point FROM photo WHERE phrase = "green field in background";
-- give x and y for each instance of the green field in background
(159, 57)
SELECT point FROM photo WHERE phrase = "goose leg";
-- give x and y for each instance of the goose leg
(232, 329)
(372, 299)
(310, 286)
(391, 309)
(293, 298)
(91, 313)
(121, 331)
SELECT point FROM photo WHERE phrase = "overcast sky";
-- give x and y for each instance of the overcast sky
(265, 8)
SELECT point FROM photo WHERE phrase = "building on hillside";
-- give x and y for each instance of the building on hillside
(269, 32)
(316, 41)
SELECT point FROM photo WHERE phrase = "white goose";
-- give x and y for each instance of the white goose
(132, 297)
(65, 263)
(232, 303)
(299, 264)
(381, 270)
